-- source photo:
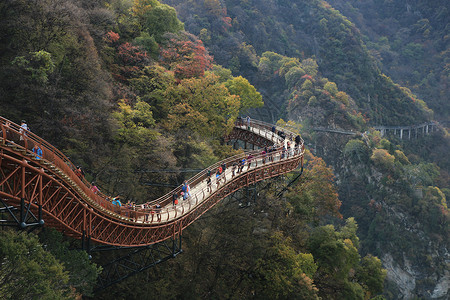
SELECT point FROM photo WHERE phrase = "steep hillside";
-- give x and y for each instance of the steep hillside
(411, 43)
(135, 100)
(238, 32)
(312, 65)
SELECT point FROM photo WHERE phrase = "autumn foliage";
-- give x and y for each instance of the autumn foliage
(316, 194)
(186, 57)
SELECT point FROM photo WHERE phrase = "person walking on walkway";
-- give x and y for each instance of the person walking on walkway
(186, 189)
(94, 188)
(241, 167)
(264, 154)
(37, 151)
(158, 211)
(224, 167)
(283, 152)
(233, 169)
(288, 149)
(79, 172)
(248, 122)
(208, 184)
(217, 178)
(23, 131)
(249, 160)
(174, 198)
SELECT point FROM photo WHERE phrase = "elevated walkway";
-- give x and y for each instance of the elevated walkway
(402, 132)
(49, 189)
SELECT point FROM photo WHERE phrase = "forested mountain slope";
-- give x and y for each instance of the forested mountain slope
(237, 32)
(410, 41)
(314, 66)
(124, 90)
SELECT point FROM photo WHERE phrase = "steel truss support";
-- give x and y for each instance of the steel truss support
(248, 195)
(284, 189)
(21, 217)
(134, 260)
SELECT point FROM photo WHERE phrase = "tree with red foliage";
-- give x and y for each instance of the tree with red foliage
(111, 37)
(186, 56)
(132, 55)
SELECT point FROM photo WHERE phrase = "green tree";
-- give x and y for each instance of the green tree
(383, 159)
(161, 19)
(247, 93)
(135, 124)
(316, 194)
(293, 76)
(148, 43)
(203, 105)
(82, 272)
(284, 273)
(371, 275)
(331, 88)
(357, 149)
(28, 271)
(151, 86)
(39, 64)
(337, 257)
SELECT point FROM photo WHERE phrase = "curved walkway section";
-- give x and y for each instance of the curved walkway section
(48, 183)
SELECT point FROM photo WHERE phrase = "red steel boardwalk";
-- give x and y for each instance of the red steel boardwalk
(51, 189)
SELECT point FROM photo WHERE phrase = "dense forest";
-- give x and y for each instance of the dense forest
(125, 86)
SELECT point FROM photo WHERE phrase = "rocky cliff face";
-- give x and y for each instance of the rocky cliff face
(416, 258)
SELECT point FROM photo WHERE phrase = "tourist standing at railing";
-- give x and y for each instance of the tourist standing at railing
(116, 202)
(270, 150)
(188, 189)
(37, 151)
(239, 121)
(297, 141)
(224, 167)
(144, 209)
(23, 127)
(117, 205)
(248, 122)
(183, 190)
